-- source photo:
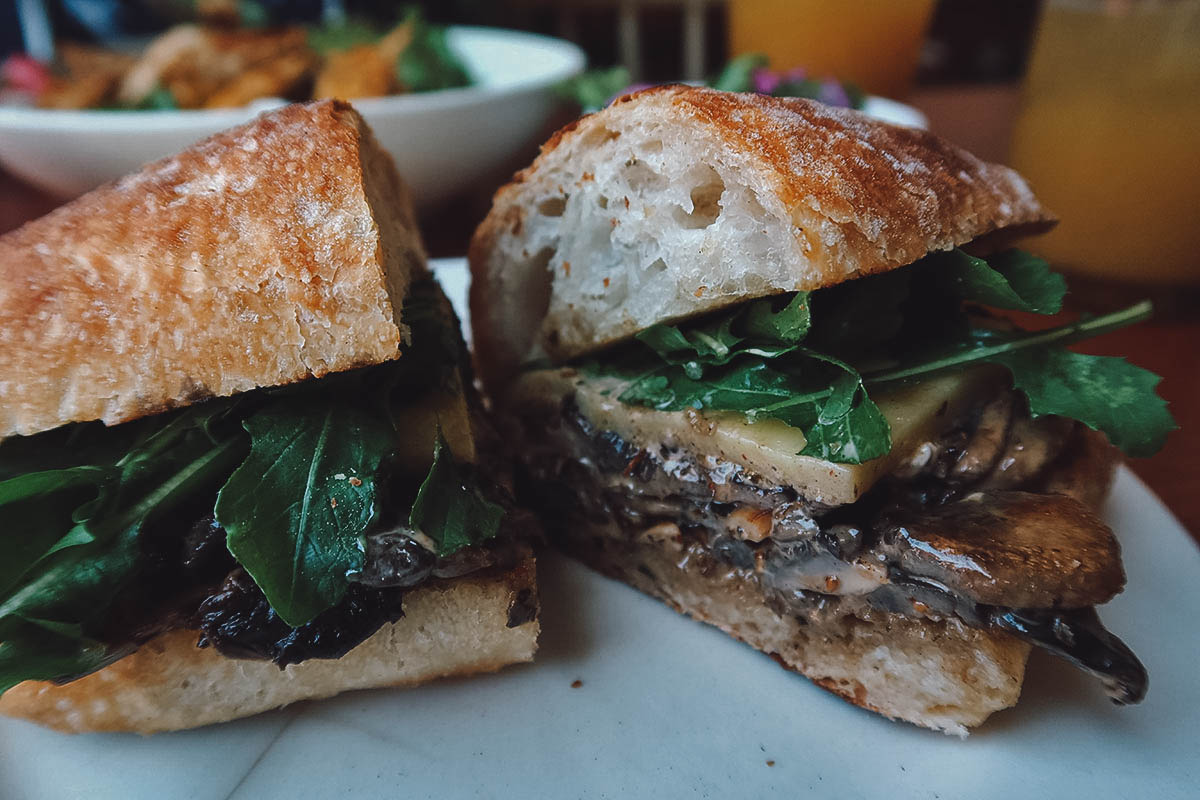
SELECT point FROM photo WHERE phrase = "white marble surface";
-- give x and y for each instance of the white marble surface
(673, 708)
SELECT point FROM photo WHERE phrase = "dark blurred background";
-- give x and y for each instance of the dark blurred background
(969, 41)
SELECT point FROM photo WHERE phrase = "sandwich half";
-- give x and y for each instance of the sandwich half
(760, 361)
(243, 463)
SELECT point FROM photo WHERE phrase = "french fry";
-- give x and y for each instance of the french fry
(358, 72)
(275, 78)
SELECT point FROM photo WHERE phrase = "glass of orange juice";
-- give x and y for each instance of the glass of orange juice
(1109, 137)
(873, 44)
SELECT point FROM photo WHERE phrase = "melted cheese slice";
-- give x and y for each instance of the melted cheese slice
(767, 448)
(445, 407)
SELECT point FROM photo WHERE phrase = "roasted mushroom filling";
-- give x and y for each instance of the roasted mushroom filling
(193, 582)
(979, 525)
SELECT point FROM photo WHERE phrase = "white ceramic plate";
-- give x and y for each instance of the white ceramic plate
(672, 708)
(442, 141)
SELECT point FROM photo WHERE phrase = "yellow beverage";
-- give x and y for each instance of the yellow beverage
(871, 43)
(1109, 137)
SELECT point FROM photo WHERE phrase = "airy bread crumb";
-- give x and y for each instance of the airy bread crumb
(679, 200)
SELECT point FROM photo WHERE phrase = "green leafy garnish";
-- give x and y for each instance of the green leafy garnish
(449, 510)
(1105, 393)
(73, 541)
(751, 360)
(253, 14)
(813, 359)
(429, 63)
(1012, 280)
(749, 73)
(426, 64)
(292, 473)
(159, 99)
(348, 33)
(592, 90)
(738, 73)
(787, 326)
(296, 509)
(29, 652)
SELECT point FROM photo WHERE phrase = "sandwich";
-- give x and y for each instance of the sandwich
(760, 359)
(242, 460)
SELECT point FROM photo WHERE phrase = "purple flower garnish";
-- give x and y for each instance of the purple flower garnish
(795, 74)
(832, 93)
(765, 81)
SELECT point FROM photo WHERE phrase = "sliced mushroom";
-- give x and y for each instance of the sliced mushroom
(1032, 445)
(983, 449)
(1012, 549)
(1080, 637)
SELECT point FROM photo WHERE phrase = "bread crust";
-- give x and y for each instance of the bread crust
(273, 252)
(937, 674)
(453, 627)
(837, 194)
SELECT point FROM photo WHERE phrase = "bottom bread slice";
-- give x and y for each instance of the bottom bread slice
(456, 627)
(940, 675)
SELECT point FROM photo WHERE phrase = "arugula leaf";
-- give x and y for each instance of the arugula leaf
(449, 510)
(76, 583)
(591, 90)
(813, 362)
(70, 446)
(1105, 393)
(30, 653)
(788, 325)
(841, 424)
(705, 344)
(738, 74)
(60, 580)
(343, 35)
(253, 14)
(71, 540)
(847, 427)
(1031, 278)
(748, 385)
(1013, 280)
(429, 63)
(983, 345)
(37, 508)
(859, 434)
(768, 333)
(748, 73)
(159, 99)
(296, 509)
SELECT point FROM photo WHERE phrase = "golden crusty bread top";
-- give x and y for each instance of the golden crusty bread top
(267, 254)
(678, 200)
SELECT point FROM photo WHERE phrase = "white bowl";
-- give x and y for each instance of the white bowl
(894, 112)
(443, 141)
